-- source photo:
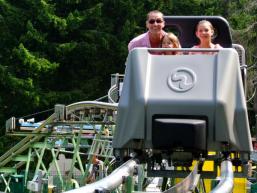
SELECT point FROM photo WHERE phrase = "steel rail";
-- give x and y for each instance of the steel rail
(84, 104)
(226, 183)
(110, 182)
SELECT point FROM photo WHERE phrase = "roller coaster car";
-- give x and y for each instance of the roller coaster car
(14, 124)
(184, 103)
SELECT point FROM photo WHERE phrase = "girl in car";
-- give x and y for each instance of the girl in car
(170, 40)
(204, 32)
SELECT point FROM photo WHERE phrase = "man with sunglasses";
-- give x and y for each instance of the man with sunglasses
(152, 38)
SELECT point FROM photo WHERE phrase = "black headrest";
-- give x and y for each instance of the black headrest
(186, 26)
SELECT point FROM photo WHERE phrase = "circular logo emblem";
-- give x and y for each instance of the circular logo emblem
(181, 79)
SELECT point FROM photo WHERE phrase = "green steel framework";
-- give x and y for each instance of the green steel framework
(39, 146)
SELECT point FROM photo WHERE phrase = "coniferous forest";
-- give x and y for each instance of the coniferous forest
(64, 51)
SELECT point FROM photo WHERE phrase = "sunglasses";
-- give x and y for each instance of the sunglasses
(152, 21)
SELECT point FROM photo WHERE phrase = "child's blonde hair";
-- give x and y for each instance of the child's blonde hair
(174, 39)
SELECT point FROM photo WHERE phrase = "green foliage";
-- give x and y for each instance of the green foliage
(32, 64)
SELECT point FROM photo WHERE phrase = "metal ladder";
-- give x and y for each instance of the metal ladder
(101, 147)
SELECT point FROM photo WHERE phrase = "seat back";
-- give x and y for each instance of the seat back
(186, 26)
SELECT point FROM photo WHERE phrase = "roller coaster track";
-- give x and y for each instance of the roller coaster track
(189, 184)
(121, 175)
(24, 144)
(39, 140)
